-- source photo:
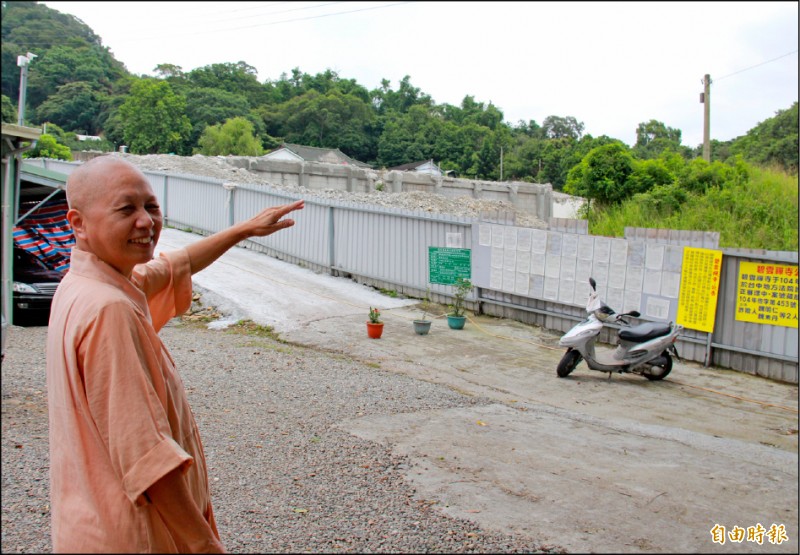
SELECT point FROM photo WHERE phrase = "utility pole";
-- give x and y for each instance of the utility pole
(705, 99)
(22, 62)
(501, 163)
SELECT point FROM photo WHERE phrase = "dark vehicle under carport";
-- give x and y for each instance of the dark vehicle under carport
(42, 241)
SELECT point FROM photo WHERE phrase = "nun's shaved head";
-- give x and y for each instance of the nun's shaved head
(91, 179)
(114, 212)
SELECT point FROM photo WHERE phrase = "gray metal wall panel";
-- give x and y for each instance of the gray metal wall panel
(197, 204)
(758, 338)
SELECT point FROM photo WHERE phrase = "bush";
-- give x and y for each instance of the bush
(754, 208)
(234, 137)
(48, 147)
(603, 175)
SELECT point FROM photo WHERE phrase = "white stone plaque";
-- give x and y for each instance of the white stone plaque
(524, 240)
(652, 282)
(485, 235)
(538, 241)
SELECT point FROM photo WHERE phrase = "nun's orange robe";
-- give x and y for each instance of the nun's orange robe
(118, 412)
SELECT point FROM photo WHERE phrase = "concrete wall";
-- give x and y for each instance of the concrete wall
(534, 198)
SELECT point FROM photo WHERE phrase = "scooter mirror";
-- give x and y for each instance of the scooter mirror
(593, 283)
(634, 313)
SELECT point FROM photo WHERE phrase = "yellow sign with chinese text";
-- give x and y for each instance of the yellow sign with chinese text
(767, 294)
(697, 303)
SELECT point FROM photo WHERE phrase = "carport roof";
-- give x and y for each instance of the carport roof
(42, 176)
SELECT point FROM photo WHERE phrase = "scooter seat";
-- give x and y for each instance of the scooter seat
(644, 332)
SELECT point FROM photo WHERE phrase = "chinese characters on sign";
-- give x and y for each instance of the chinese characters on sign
(756, 534)
(446, 265)
(697, 304)
(767, 294)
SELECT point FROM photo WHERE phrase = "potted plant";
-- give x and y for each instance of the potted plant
(422, 325)
(374, 326)
(456, 317)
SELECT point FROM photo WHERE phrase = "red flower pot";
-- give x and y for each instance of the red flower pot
(374, 331)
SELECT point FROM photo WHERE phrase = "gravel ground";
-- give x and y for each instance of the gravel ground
(285, 477)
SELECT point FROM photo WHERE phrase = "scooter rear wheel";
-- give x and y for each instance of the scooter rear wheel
(568, 363)
(659, 372)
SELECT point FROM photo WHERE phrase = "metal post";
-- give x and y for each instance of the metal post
(22, 62)
(23, 84)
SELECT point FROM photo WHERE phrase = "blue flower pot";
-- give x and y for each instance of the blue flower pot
(456, 322)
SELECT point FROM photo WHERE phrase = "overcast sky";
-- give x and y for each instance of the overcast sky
(610, 65)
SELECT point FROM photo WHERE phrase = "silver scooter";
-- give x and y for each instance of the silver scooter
(642, 349)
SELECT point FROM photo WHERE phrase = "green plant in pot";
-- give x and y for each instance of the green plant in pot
(456, 318)
(374, 325)
(422, 325)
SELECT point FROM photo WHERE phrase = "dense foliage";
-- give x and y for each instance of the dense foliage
(76, 87)
(750, 207)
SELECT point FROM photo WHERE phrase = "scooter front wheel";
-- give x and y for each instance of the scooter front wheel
(660, 371)
(568, 363)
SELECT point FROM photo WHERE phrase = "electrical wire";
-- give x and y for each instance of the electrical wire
(270, 23)
(717, 79)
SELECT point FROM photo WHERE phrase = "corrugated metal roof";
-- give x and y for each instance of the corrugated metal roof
(324, 155)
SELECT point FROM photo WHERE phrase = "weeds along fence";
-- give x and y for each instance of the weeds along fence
(530, 275)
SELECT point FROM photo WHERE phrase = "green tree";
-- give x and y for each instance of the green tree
(154, 118)
(169, 71)
(48, 147)
(603, 175)
(699, 176)
(531, 129)
(648, 174)
(330, 80)
(9, 111)
(400, 101)
(471, 139)
(239, 78)
(70, 139)
(234, 137)
(208, 106)
(59, 66)
(109, 118)
(653, 138)
(555, 127)
(405, 139)
(479, 113)
(331, 120)
(74, 105)
(652, 130)
(773, 142)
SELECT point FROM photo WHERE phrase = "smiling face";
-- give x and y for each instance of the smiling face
(114, 213)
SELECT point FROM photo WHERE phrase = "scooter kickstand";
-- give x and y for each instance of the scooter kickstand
(609, 376)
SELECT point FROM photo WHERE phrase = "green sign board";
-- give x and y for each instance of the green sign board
(446, 265)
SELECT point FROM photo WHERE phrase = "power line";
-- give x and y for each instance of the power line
(270, 12)
(140, 38)
(755, 66)
(292, 20)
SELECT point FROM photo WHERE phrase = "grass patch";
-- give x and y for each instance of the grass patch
(760, 212)
(248, 327)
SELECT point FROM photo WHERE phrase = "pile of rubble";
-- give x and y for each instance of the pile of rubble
(217, 167)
